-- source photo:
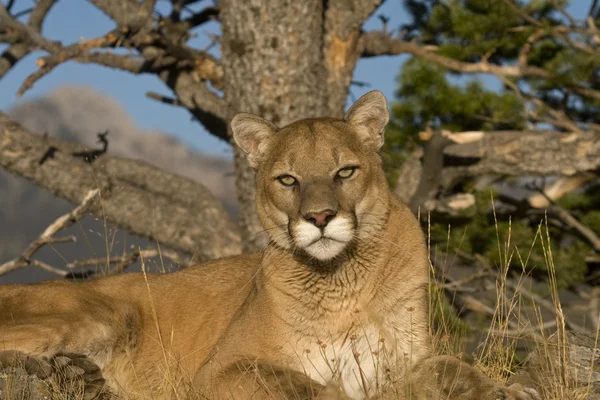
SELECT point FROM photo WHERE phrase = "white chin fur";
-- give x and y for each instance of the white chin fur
(336, 235)
(325, 249)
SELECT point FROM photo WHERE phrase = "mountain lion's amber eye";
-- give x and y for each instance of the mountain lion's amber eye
(345, 173)
(287, 180)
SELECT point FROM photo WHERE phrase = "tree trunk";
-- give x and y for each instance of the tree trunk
(272, 69)
(281, 59)
(285, 60)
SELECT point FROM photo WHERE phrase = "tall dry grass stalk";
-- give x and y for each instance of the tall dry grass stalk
(549, 366)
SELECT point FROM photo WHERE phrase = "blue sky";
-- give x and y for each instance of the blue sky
(71, 19)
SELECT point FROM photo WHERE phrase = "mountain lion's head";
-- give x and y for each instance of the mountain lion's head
(320, 186)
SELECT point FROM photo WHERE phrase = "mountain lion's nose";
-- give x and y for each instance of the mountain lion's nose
(320, 219)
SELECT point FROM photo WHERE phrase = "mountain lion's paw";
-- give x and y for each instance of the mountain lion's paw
(38, 366)
(80, 372)
(513, 392)
(62, 373)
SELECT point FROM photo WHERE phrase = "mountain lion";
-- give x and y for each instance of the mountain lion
(334, 307)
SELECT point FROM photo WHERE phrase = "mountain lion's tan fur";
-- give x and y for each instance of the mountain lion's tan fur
(335, 306)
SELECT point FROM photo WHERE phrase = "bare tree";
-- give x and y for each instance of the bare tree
(283, 60)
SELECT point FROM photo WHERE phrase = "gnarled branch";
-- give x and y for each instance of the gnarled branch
(175, 211)
(377, 43)
(511, 153)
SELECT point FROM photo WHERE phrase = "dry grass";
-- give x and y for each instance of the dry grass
(550, 367)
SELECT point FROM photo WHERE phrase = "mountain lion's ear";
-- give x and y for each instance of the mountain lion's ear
(251, 133)
(370, 114)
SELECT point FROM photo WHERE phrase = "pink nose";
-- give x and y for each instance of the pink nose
(321, 218)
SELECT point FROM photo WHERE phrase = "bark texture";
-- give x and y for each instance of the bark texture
(285, 60)
(540, 153)
(175, 211)
(511, 153)
(281, 59)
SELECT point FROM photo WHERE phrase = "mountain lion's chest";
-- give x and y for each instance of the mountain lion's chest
(358, 359)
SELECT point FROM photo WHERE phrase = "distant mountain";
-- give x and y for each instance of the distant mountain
(77, 114)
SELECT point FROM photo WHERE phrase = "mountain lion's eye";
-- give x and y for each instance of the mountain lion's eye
(345, 173)
(287, 180)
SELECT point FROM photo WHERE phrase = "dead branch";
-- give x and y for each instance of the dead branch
(503, 153)
(117, 264)
(458, 285)
(523, 327)
(28, 33)
(468, 298)
(162, 52)
(19, 49)
(39, 13)
(123, 12)
(47, 237)
(557, 189)
(64, 54)
(434, 144)
(540, 301)
(197, 19)
(172, 210)
(573, 224)
(56, 271)
(517, 153)
(377, 43)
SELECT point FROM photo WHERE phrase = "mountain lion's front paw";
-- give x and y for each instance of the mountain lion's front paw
(61, 373)
(513, 392)
(38, 366)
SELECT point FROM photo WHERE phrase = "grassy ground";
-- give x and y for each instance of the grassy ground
(549, 367)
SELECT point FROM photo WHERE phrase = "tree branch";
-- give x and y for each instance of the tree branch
(122, 262)
(517, 153)
(176, 212)
(343, 22)
(39, 13)
(200, 18)
(12, 56)
(61, 54)
(123, 12)
(47, 236)
(208, 108)
(19, 49)
(28, 33)
(506, 153)
(577, 227)
(377, 43)
(162, 52)
(433, 160)
(183, 69)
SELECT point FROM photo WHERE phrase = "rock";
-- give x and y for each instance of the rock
(16, 383)
(579, 379)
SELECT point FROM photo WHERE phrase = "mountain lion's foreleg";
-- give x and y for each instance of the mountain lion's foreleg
(59, 316)
(445, 377)
(256, 381)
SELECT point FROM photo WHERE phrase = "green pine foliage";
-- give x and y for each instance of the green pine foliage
(430, 96)
(425, 97)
